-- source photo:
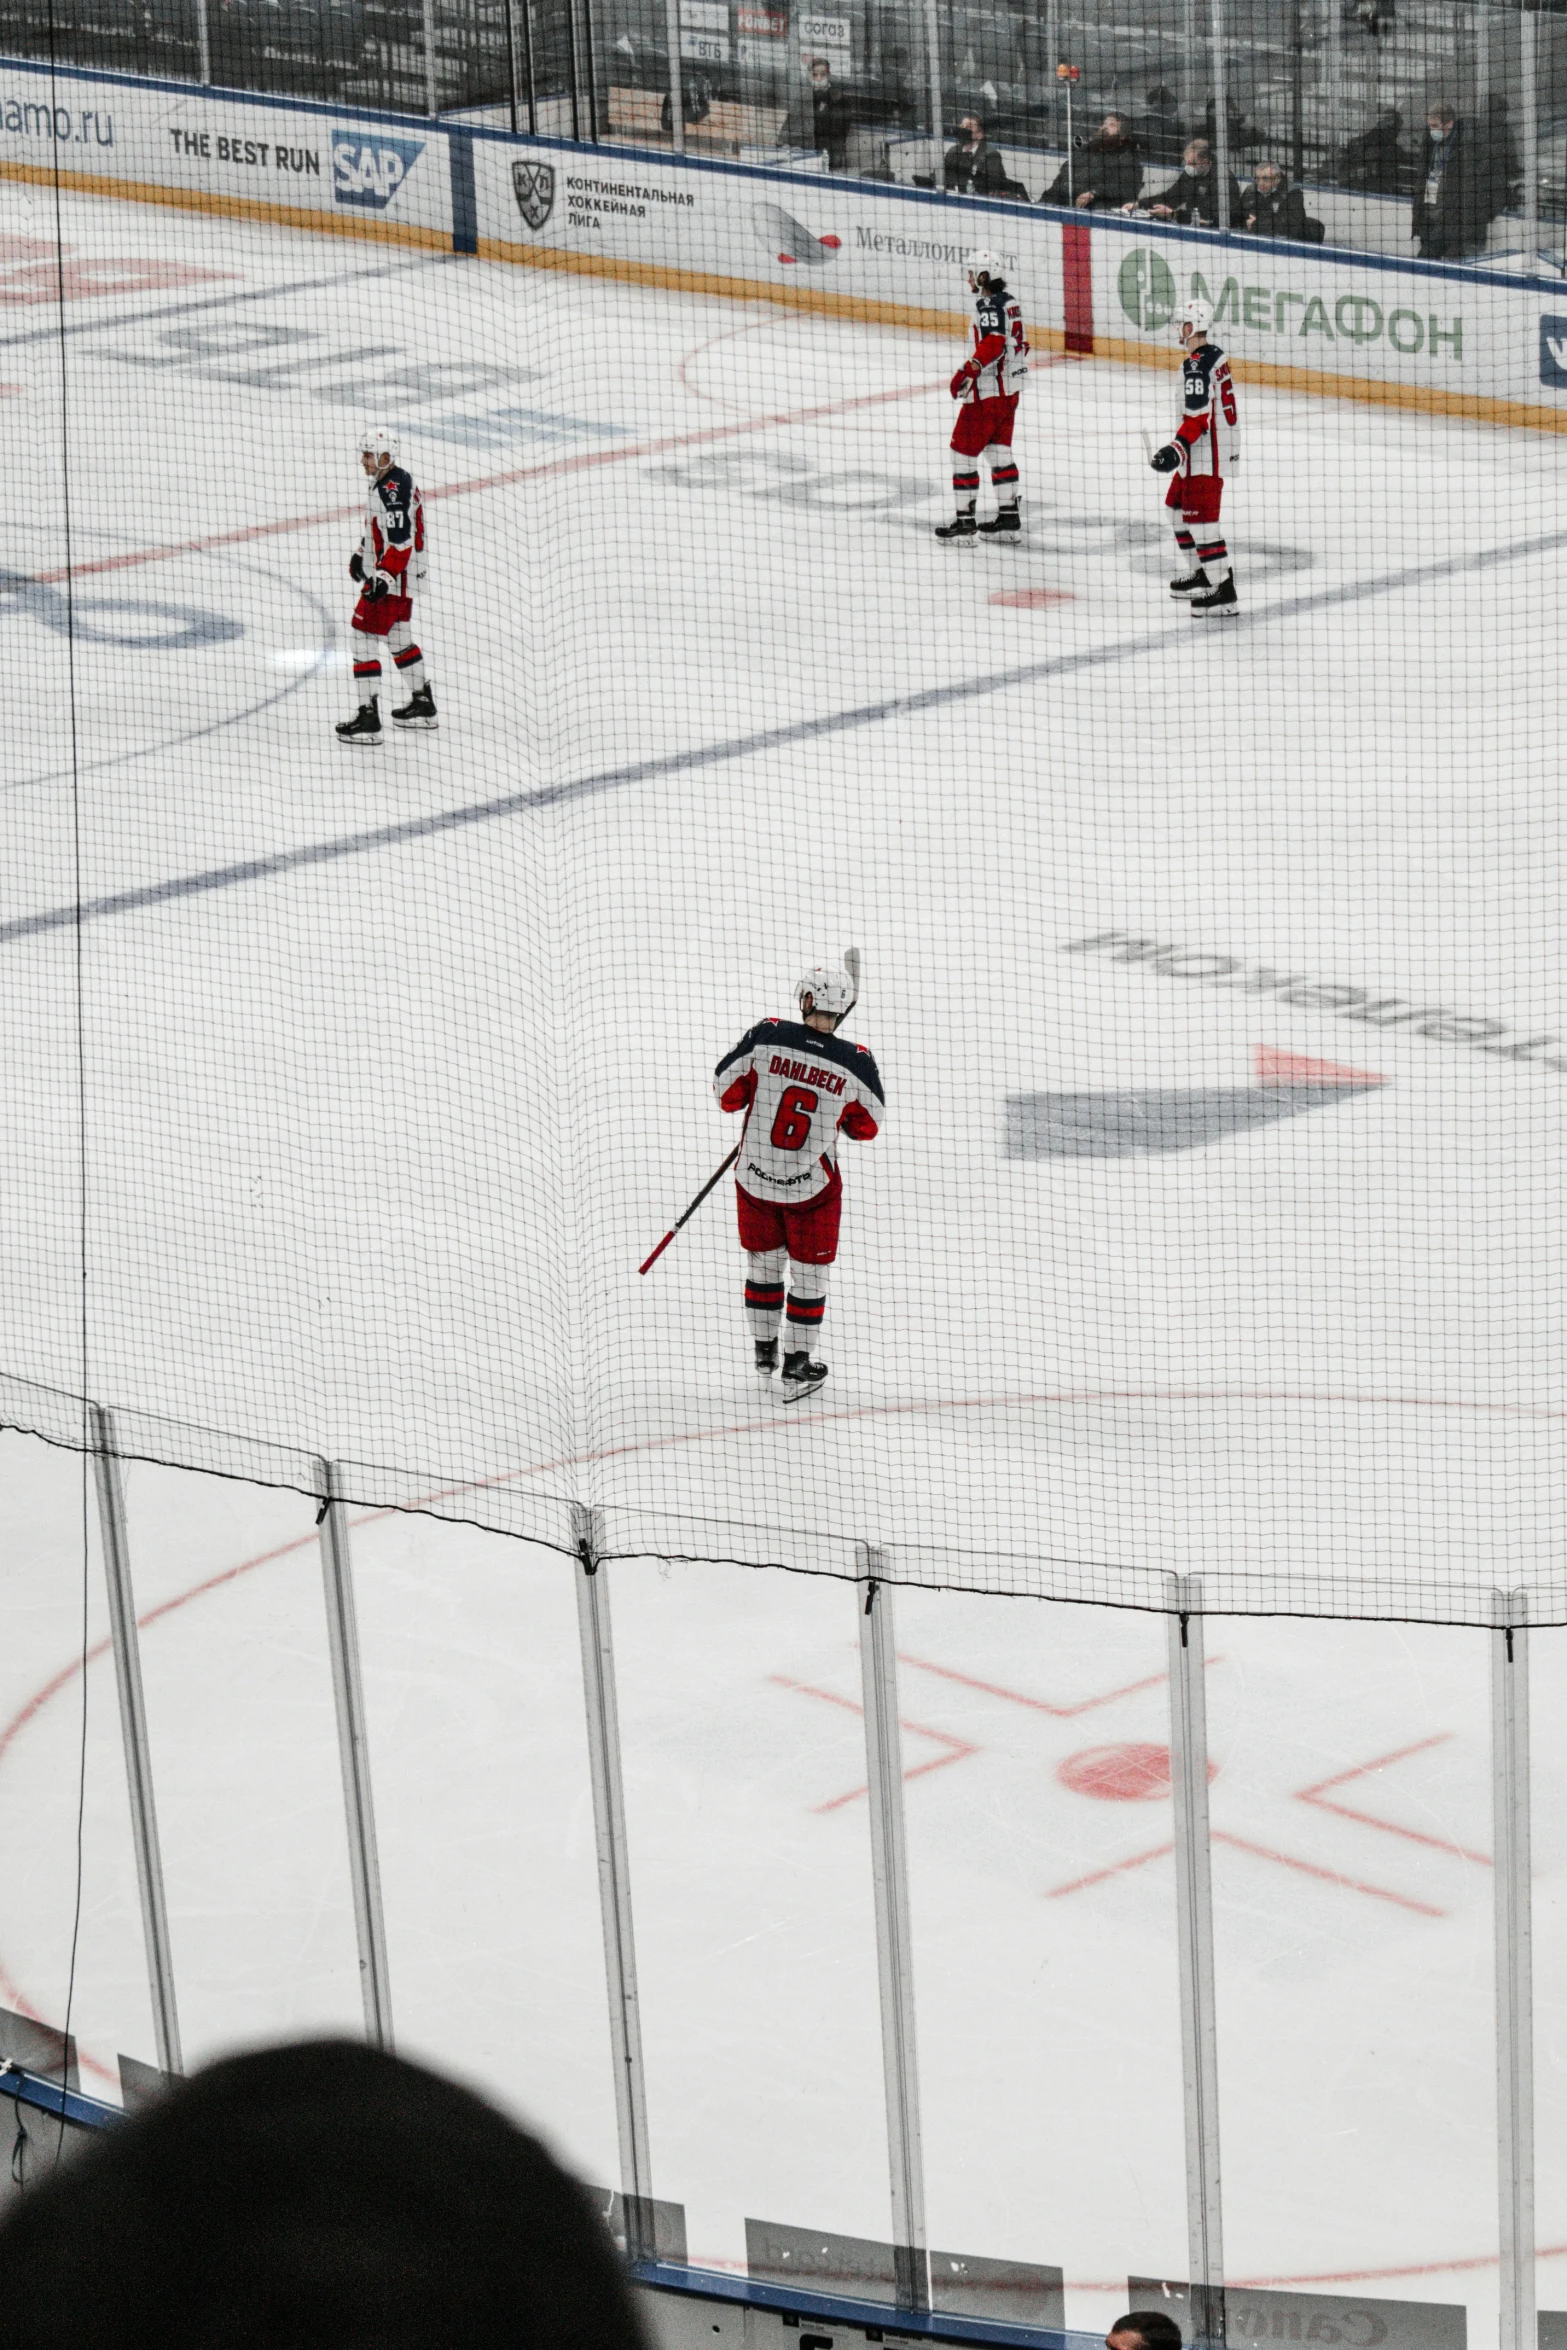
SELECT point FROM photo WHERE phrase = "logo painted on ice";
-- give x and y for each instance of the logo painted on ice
(370, 171)
(1553, 352)
(1147, 289)
(534, 187)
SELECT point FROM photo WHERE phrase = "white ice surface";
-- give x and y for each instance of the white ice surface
(373, 1145)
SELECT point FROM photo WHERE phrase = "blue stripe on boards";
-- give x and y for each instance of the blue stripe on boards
(465, 205)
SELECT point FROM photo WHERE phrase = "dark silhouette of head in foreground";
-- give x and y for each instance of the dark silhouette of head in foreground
(321, 2197)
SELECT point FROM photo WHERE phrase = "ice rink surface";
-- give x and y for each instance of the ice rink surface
(396, 1063)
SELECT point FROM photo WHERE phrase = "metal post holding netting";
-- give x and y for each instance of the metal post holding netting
(894, 1939)
(1529, 112)
(609, 1823)
(126, 1645)
(1221, 119)
(353, 1752)
(1514, 1967)
(677, 91)
(1194, 1931)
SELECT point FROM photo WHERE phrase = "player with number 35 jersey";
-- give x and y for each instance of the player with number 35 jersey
(800, 1086)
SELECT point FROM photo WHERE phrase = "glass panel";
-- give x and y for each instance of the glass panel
(485, 1821)
(1036, 1762)
(750, 1865)
(1353, 1934)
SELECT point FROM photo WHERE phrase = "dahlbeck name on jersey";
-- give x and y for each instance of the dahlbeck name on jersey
(799, 1089)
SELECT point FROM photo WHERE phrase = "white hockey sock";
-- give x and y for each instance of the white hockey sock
(407, 660)
(764, 1291)
(367, 665)
(1186, 548)
(1003, 477)
(1212, 553)
(807, 1307)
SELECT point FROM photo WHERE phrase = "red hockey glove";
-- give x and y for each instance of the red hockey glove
(376, 587)
(961, 382)
(356, 565)
(1167, 459)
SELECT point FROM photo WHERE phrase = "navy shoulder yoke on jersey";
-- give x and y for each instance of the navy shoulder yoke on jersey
(794, 1036)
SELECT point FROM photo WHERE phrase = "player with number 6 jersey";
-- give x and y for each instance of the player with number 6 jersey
(800, 1087)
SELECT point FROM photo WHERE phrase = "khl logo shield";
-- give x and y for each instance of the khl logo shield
(1553, 352)
(1147, 289)
(371, 170)
(534, 186)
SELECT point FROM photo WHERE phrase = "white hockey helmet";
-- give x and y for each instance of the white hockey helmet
(379, 440)
(1194, 318)
(830, 989)
(980, 264)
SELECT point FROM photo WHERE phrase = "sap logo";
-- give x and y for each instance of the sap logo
(1553, 352)
(370, 171)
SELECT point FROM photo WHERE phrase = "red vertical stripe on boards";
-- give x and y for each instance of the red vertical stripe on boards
(1077, 273)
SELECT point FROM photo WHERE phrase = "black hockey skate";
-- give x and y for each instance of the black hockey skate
(1221, 604)
(766, 1357)
(801, 1376)
(962, 526)
(364, 729)
(420, 712)
(1004, 525)
(1191, 583)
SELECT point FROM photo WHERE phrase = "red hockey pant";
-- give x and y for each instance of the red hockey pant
(984, 428)
(1194, 500)
(806, 1238)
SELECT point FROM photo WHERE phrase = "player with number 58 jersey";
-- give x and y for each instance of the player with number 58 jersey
(800, 1086)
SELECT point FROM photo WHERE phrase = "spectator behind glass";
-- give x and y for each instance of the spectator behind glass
(831, 114)
(1373, 159)
(1106, 176)
(1192, 197)
(1144, 2329)
(1462, 184)
(323, 2195)
(972, 167)
(1271, 209)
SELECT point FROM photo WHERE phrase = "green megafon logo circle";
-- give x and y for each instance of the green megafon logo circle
(1147, 289)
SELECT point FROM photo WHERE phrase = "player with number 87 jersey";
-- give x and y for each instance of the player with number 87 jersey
(800, 1086)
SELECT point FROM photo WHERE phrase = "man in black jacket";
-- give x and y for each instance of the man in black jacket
(1454, 205)
(972, 166)
(832, 115)
(1273, 209)
(1193, 196)
(1107, 174)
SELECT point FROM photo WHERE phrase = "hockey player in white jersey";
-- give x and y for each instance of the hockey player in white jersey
(1202, 456)
(989, 384)
(799, 1086)
(388, 563)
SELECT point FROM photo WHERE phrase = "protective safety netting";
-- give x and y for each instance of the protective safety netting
(1210, 958)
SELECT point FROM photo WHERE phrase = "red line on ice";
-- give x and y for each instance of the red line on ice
(1368, 1819)
(1038, 1705)
(959, 1748)
(549, 469)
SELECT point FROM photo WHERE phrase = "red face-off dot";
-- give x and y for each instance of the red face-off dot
(1120, 1774)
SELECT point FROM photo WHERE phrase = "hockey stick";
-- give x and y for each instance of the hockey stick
(1147, 442)
(712, 1180)
(851, 964)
